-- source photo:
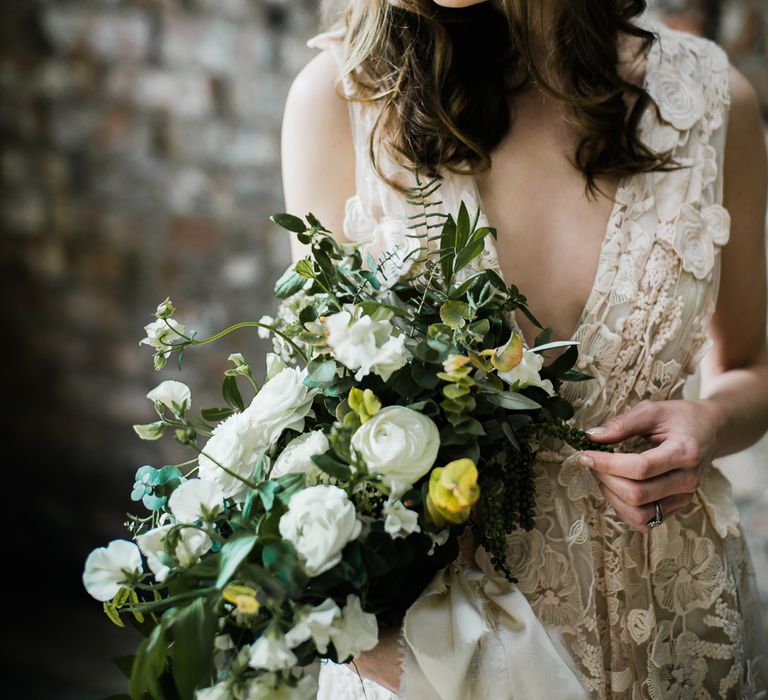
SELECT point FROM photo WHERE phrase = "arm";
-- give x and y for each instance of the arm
(733, 411)
(318, 158)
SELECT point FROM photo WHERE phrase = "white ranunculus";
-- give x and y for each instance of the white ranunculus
(271, 652)
(282, 404)
(527, 373)
(191, 546)
(162, 333)
(175, 395)
(400, 521)
(314, 623)
(235, 445)
(196, 499)
(319, 522)
(400, 444)
(364, 345)
(108, 568)
(356, 631)
(297, 455)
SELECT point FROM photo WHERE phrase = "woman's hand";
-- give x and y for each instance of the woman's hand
(684, 435)
(382, 663)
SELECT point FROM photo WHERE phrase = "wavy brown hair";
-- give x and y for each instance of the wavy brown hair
(443, 79)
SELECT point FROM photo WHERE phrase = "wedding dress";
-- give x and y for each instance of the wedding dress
(600, 610)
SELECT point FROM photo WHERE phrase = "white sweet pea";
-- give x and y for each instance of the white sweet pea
(196, 499)
(235, 444)
(314, 624)
(297, 455)
(356, 631)
(275, 364)
(319, 522)
(282, 404)
(108, 568)
(191, 546)
(400, 444)
(400, 521)
(176, 396)
(271, 652)
(364, 345)
(527, 373)
(162, 333)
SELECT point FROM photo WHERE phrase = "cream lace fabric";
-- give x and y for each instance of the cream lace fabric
(672, 614)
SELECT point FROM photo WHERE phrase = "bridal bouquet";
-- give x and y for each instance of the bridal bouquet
(395, 410)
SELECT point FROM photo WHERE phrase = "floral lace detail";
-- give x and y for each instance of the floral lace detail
(673, 613)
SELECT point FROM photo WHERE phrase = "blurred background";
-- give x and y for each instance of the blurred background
(139, 158)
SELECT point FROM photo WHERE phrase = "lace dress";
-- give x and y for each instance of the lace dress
(674, 613)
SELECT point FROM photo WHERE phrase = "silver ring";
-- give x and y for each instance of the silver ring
(658, 519)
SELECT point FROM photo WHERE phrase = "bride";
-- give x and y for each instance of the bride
(624, 168)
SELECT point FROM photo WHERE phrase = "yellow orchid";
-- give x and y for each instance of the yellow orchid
(453, 490)
(244, 597)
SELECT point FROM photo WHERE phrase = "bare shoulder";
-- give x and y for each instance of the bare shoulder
(316, 145)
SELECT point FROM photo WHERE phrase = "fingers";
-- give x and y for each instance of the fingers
(680, 452)
(640, 420)
(637, 517)
(640, 493)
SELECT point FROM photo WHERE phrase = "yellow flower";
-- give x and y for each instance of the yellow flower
(244, 597)
(453, 490)
(509, 355)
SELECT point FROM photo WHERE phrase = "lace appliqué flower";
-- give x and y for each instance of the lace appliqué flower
(696, 233)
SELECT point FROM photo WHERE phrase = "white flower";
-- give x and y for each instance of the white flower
(196, 499)
(527, 373)
(175, 395)
(364, 345)
(696, 234)
(162, 333)
(438, 540)
(356, 631)
(275, 365)
(315, 624)
(264, 333)
(679, 96)
(297, 455)
(191, 546)
(400, 521)
(235, 445)
(319, 522)
(271, 652)
(399, 443)
(108, 568)
(282, 404)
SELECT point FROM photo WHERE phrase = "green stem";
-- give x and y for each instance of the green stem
(252, 324)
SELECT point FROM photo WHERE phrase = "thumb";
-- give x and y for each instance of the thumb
(639, 420)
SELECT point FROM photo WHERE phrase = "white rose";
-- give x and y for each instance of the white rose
(282, 404)
(271, 652)
(235, 445)
(108, 568)
(175, 395)
(297, 455)
(314, 624)
(319, 522)
(356, 631)
(527, 373)
(400, 521)
(399, 443)
(364, 345)
(191, 546)
(196, 499)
